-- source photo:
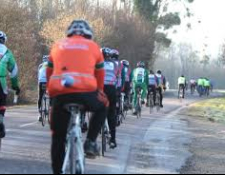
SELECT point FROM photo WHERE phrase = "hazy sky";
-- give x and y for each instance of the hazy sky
(211, 30)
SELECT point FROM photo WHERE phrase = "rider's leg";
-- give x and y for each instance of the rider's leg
(134, 96)
(161, 97)
(3, 97)
(111, 93)
(144, 92)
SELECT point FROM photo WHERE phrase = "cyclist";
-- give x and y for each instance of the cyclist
(182, 83)
(127, 84)
(193, 84)
(207, 86)
(76, 74)
(111, 74)
(161, 85)
(7, 64)
(153, 82)
(42, 81)
(201, 86)
(139, 78)
(120, 81)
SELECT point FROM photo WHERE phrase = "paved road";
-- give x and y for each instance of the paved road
(156, 143)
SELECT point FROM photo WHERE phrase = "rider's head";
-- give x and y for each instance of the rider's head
(80, 28)
(115, 54)
(152, 72)
(106, 53)
(45, 58)
(141, 64)
(125, 63)
(159, 72)
(3, 37)
(182, 76)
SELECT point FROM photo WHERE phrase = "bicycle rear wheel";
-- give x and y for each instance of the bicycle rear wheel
(151, 103)
(43, 111)
(103, 141)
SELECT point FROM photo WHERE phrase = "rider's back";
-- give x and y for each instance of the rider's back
(76, 57)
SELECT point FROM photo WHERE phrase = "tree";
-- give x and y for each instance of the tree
(156, 12)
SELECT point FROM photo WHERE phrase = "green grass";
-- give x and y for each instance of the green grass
(213, 110)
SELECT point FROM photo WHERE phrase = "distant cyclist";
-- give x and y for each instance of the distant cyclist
(161, 85)
(139, 80)
(153, 83)
(76, 74)
(42, 82)
(201, 86)
(120, 81)
(7, 64)
(127, 84)
(193, 85)
(182, 83)
(207, 86)
(111, 74)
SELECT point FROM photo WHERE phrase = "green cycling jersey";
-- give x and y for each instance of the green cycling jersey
(8, 64)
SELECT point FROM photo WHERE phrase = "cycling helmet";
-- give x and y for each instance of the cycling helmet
(152, 72)
(45, 58)
(115, 54)
(125, 63)
(80, 27)
(3, 37)
(141, 64)
(159, 72)
(106, 52)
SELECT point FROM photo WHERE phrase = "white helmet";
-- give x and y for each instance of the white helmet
(3, 37)
(80, 27)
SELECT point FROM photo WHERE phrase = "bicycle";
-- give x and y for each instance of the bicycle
(181, 92)
(200, 90)
(151, 101)
(45, 109)
(139, 102)
(158, 100)
(123, 111)
(74, 157)
(15, 102)
(105, 137)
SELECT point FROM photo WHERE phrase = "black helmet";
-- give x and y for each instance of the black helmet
(3, 37)
(152, 72)
(106, 52)
(80, 27)
(159, 72)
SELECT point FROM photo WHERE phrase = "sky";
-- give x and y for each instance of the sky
(210, 31)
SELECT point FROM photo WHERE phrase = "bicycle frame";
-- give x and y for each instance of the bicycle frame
(74, 142)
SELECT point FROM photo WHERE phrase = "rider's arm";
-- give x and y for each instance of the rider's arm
(99, 71)
(123, 77)
(13, 69)
(146, 77)
(50, 68)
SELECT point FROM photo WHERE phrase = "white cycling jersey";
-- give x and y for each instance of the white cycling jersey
(42, 74)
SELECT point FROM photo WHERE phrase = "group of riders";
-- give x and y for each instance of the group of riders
(78, 71)
(202, 85)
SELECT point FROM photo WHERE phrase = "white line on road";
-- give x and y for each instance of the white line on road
(28, 124)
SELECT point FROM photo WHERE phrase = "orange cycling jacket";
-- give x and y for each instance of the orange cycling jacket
(80, 59)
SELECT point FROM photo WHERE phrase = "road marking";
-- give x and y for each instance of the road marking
(28, 124)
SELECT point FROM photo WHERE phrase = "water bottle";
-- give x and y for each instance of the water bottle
(67, 81)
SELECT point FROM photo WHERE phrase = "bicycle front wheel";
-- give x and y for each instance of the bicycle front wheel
(43, 111)
(103, 142)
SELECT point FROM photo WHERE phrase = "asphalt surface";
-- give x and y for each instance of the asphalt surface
(156, 143)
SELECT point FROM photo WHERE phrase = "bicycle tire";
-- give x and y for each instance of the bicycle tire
(72, 165)
(103, 141)
(43, 109)
(151, 103)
